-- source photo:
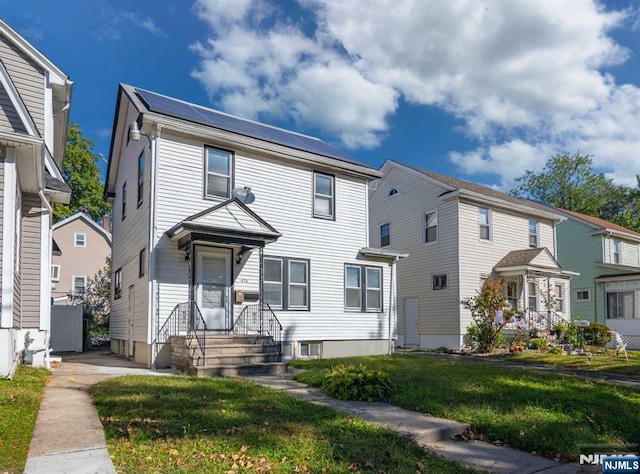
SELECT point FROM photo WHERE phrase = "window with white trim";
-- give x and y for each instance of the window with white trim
(55, 272)
(430, 227)
(286, 283)
(117, 284)
(79, 285)
(439, 282)
(140, 178)
(622, 305)
(385, 235)
(363, 288)
(583, 294)
(310, 349)
(142, 263)
(218, 173)
(559, 291)
(533, 233)
(484, 223)
(615, 251)
(323, 195)
(80, 239)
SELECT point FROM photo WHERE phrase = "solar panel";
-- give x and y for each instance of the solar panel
(213, 118)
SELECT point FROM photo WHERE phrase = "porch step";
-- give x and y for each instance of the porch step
(237, 369)
(231, 359)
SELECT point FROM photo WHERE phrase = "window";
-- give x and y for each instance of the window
(79, 285)
(484, 223)
(621, 305)
(140, 178)
(286, 283)
(55, 272)
(117, 284)
(533, 296)
(512, 294)
(430, 227)
(385, 235)
(615, 251)
(533, 233)
(142, 263)
(80, 239)
(310, 349)
(218, 168)
(323, 196)
(439, 282)
(559, 290)
(357, 278)
(124, 200)
(583, 295)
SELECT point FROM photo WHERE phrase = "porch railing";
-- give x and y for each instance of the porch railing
(532, 319)
(185, 318)
(259, 319)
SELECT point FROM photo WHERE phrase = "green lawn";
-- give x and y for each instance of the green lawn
(600, 362)
(19, 402)
(186, 424)
(538, 412)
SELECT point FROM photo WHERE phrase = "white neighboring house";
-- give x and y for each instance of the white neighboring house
(458, 234)
(186, 231)
(34, 111)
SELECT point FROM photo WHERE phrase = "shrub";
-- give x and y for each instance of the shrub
(555, 350)
(539, 343)
(597, 334)
(357, 382)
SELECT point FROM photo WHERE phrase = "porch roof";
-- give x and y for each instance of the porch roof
(231, 222)
(538, 262)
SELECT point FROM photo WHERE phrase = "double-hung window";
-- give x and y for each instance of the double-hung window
(286, 283)
(484, 223)
(140, 179)
(55, 272)
(431, 227)
(79, 285)
(117, 284)
(218, 172)
(363, 288)
(80, 239)
(385, 235)
(615, 251)
(559, 290)
(533, 233)
(323, 195)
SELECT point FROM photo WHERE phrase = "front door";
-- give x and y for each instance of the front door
(213, 286)
(411, 334)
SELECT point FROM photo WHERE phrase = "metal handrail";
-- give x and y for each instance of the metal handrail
(544, 320)
(259, 319)
(185, 318)
(198, 328)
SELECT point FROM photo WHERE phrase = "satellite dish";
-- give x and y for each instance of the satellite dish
(243, 195)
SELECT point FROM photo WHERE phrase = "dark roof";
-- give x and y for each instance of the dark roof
(596, 221)
(479, 189)
(55, 184)
(519, 258)
(55, 248)
(164, 105)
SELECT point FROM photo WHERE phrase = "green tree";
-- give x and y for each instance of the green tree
(81, 172)
(96, 298)
(570, 182)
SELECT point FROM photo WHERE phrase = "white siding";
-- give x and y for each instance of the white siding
(284, 199)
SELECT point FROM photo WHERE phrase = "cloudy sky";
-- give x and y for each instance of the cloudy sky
(479, 89)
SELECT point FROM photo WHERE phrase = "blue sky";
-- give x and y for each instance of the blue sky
(476, 89)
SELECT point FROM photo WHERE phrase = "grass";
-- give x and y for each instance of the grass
(19, 402)
(600, 362)
(218, 425)
(549, 414)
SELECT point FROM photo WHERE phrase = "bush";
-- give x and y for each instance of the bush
(597, 335)
(357, 382)
(539, 343)
(555, 350)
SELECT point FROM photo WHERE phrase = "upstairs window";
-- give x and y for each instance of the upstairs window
(218, 170)
(80, 239)
(117, 284)
(484, 223)
(615, 251)
(323, 196)
(439, 282)
(124, 200)
(140, 178)
(533, 233)
(385, 235)
(431, 227)
(55, 272)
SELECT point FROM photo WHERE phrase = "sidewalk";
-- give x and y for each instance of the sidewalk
(69, 438)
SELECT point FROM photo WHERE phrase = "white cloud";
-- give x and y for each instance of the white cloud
(526, 78)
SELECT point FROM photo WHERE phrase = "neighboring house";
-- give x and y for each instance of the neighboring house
(84, 247)
(186, 230)
(608, 259)
(457, 235)
(34, 112)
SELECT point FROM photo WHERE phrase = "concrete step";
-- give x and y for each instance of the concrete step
(231, 359)
(238, 369)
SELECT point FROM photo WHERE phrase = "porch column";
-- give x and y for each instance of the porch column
(261, 284)
(190, 257)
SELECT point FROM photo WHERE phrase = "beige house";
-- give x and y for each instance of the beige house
(458, 234)
(84, 247)
(34, 112)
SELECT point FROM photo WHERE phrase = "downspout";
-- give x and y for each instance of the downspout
(392, 305)
(47, 349)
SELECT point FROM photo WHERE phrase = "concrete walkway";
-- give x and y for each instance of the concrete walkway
(69, 437)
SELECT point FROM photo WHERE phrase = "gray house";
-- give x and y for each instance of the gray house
(34, 111)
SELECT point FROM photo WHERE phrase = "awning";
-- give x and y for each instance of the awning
(536, 262)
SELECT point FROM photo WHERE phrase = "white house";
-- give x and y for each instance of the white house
(458, 234)
(228, 220)
(34, 112)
